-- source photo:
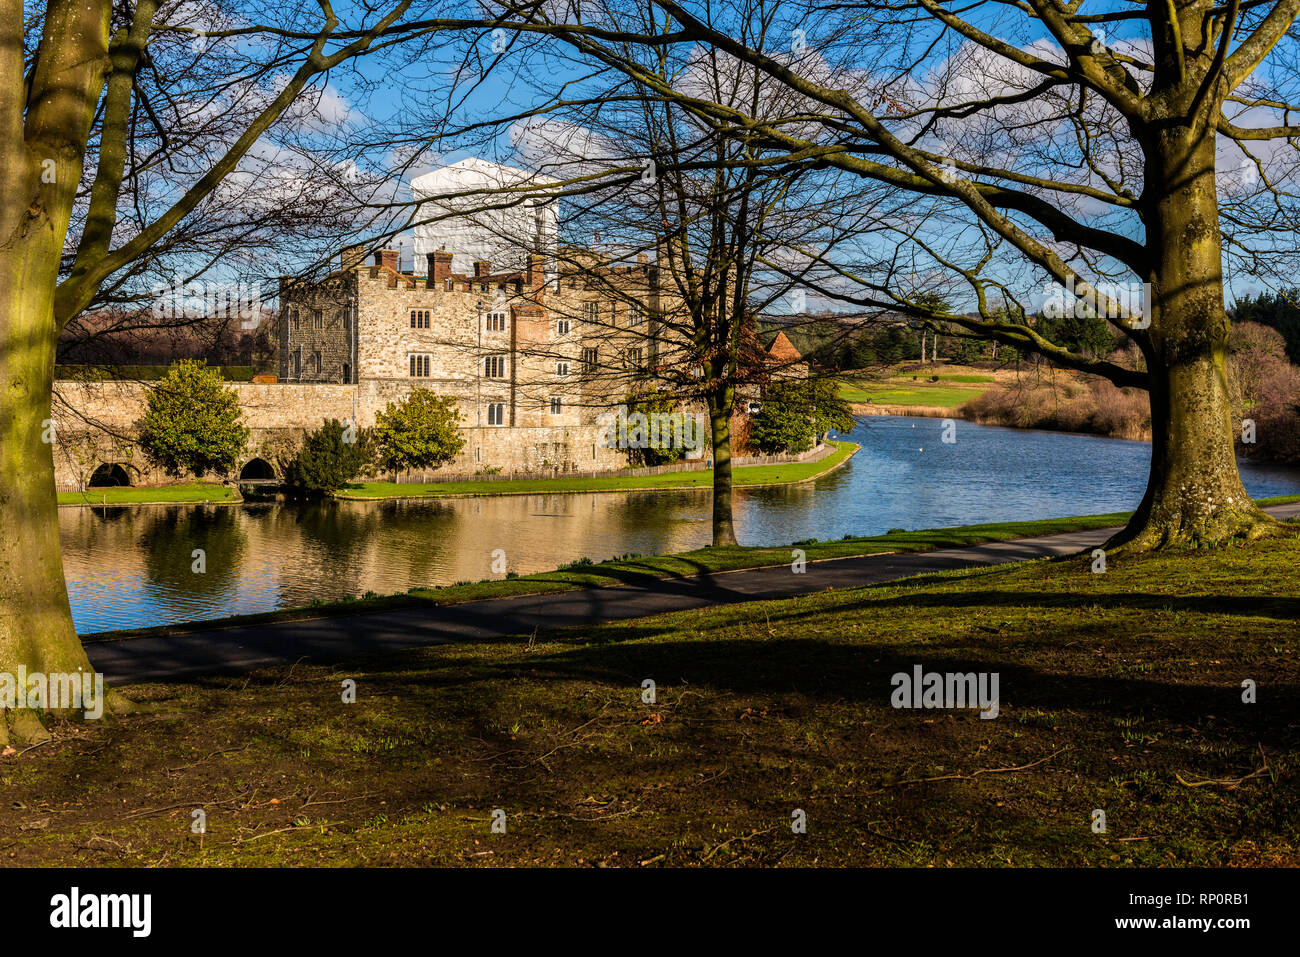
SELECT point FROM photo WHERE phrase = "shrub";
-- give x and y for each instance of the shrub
(193, 422)
(1252, 336)
(667, 450)
(1098, 407)
(330, 458)
(795, 412)
(1121, 413)
(1277, 414)
(419, 432)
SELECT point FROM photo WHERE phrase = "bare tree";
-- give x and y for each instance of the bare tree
(1049, 144)
(728, 234)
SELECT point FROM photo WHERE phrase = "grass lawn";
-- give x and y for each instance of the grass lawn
(127, 495)
(1118, 691)
(951, 391)
(742, 476)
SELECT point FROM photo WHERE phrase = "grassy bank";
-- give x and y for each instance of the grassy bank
(1119, 691)
(639, 569)
(162, 495)
(910, 384)
(747, 476)
(752, 475)
(634, 569)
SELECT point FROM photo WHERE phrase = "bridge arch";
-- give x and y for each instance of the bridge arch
(109, 475)
(257, 468)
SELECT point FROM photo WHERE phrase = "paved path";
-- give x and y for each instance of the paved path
(242, 649)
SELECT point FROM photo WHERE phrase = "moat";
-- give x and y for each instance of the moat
(131, 567)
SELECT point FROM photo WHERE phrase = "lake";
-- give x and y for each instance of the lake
(131, 567)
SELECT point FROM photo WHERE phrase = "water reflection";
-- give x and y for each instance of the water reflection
(132, 567)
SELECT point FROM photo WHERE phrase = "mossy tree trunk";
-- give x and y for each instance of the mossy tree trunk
(45, 119)
(1194, 489)
(35, 623)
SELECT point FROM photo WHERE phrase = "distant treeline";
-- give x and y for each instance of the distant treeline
(138, 339)
(836, 345)
(1280, 311)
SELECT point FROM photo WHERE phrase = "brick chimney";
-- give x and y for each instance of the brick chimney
(386, 257)
(439, 270)
(353, 256)
(482, 267)
(536, 278)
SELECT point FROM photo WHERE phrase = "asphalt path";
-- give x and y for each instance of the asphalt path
(245, 648)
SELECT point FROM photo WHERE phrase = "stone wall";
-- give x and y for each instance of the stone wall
(316, 330)
(504, 340)
(97, 423)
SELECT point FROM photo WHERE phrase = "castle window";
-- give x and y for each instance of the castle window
(589, 357)
(297, 363)
(613, 313)
(634, 358)
(294, 317)
(315, 363)
(420, 366)
(591, 311)
(317, 319)
(563, 327)
(557, 405)
(496, 413)
(561, 369)
(419, 318)
(494, 367)
(496, 321)
(635, 315)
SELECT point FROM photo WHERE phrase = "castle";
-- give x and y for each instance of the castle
(531, 360)
(535, 354)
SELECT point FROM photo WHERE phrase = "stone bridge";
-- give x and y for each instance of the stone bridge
(96, 429)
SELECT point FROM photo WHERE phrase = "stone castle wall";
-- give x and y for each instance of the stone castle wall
(531, 364)
(97, 423)
(541, 354)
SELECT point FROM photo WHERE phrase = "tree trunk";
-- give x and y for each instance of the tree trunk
(36, 629)
(1194, 491)
(720, 409)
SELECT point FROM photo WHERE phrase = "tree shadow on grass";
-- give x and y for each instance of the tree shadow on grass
(822, 671)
